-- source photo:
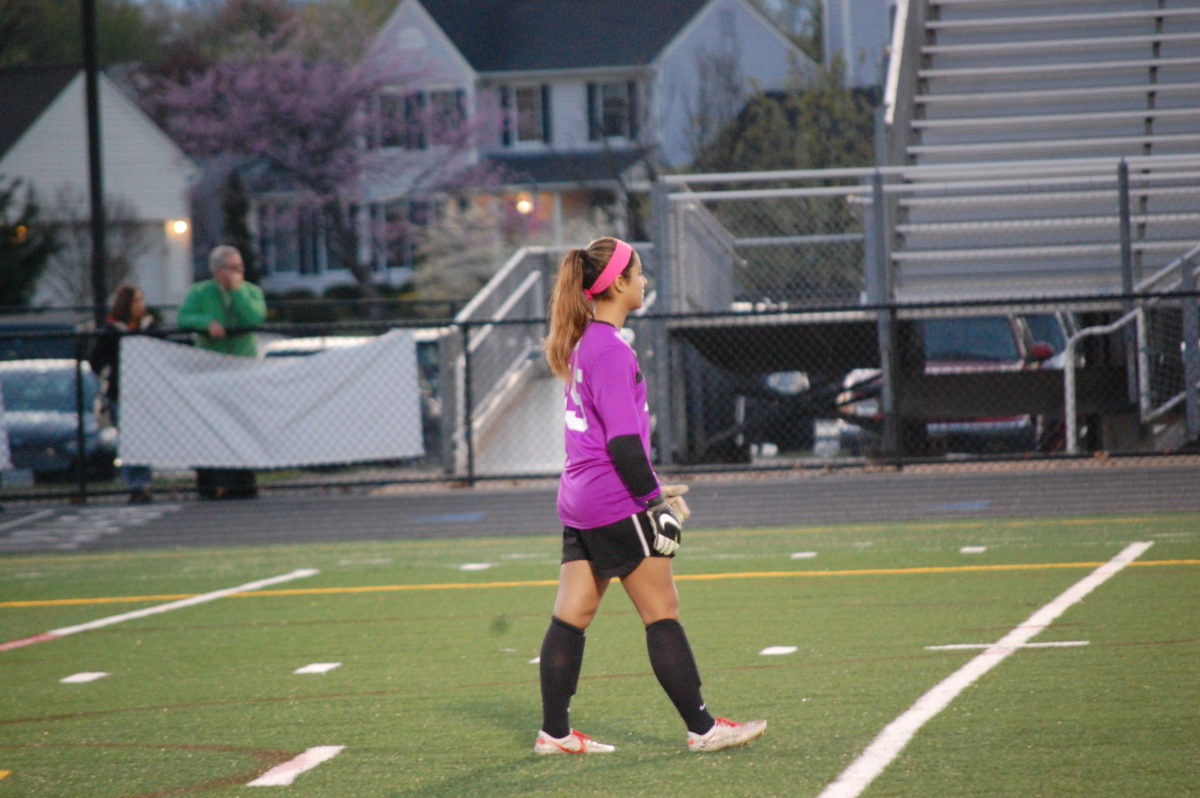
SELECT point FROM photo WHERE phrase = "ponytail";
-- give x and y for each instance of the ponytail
(570, 313)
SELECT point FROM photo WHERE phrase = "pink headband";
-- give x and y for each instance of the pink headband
(622, 252)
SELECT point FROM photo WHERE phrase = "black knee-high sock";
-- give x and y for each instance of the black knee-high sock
(561, 660)
(673, 663)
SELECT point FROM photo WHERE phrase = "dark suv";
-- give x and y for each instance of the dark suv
(965, 344)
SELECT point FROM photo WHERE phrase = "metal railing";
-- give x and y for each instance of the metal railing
(1182, 367)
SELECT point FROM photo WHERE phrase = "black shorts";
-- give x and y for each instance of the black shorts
(613, 550)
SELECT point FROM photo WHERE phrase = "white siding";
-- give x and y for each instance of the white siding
(413, 53)
(860, 32)
(415, 48)
(141, 166)
(765, 60)
(140, 163)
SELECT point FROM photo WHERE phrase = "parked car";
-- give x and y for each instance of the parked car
(964, 344)
(22, 338)
(41, 417)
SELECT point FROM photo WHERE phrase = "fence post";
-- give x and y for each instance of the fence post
(879, 294)
(468, 421)
(663, 253)
(80, 440)
(1191, 354)
(1125, 225)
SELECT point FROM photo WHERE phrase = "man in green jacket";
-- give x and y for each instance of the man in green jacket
(224, 302)
(213, 307)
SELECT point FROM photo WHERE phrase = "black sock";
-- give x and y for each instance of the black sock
(673, 663)
(561, 660)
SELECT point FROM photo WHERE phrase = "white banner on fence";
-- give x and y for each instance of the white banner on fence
(183, 407)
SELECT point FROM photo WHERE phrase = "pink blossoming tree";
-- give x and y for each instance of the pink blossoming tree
(316, 125)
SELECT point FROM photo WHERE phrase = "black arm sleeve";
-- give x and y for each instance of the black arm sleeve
(629, 458)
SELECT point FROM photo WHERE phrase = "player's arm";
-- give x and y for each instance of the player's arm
(629, 460)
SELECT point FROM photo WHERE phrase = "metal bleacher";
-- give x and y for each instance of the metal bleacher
(1016, 111)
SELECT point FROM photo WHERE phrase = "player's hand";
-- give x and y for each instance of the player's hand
(673, 494)
(668, 529)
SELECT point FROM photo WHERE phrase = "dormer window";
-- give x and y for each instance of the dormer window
(526, 111)
(612, 111)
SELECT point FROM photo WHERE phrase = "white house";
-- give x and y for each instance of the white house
(43, 141)
(859, 31)
(579, 98)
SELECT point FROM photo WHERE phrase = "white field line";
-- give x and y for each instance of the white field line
(284, 774)
(318, 667)
(54, 634)
(181, 603)
(25, 519)
(897, 734)
(83, 678)
(967, 646)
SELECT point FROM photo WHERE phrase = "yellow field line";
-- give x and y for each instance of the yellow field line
(327, 591)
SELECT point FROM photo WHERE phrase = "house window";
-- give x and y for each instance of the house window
(526, 111)
(292, 239)
(417, 119)
(275, 246)
(612, 111)
(413, 128)
(447, 114)
(395, 226)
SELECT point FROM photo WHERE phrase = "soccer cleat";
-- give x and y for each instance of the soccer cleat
(574, 743)
(726, 733)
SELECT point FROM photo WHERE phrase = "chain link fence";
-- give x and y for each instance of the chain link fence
(808, 319)
(756, 389)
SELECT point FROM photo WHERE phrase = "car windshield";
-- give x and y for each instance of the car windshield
(988, 338)
(1046, 328)
(42, 390)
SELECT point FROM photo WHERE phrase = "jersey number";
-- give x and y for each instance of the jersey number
(576, 420)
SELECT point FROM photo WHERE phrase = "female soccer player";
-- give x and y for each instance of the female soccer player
(618, 521)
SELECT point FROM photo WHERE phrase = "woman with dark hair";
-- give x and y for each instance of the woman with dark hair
(127, 315)
(618, 521)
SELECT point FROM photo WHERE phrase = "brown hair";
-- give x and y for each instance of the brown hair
(570, 311)
(122, 304)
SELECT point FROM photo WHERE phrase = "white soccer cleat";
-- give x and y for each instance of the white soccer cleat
(574, 743)
(726, 733)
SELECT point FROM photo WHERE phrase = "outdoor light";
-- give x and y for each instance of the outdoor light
(524, 206)
(179, 227)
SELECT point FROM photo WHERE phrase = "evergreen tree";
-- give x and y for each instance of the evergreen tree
(822, 125)
(25, 244)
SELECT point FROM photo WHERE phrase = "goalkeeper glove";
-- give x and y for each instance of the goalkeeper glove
(673, 494)
(667, 528)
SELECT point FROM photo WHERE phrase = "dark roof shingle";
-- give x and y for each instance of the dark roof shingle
(25, 93)
(533, 35)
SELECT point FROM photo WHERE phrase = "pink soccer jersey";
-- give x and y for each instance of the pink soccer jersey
(606, 398)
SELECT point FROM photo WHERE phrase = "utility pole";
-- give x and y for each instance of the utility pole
(95, 168)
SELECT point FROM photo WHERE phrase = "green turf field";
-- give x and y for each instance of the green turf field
(436, 694)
